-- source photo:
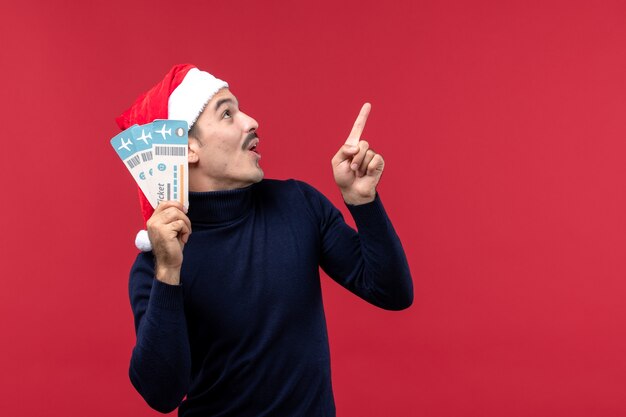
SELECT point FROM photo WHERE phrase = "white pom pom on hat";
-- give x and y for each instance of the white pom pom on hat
(181, 95)
(142, 241)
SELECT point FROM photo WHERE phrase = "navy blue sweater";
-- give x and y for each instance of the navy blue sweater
(245, 333)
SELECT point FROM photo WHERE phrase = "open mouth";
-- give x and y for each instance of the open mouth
(253, 146)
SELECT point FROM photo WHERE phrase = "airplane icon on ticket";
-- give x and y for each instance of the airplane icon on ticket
(125, 145)
(163, 131)
(144, 137)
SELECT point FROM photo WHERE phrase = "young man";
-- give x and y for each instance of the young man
(229, 318)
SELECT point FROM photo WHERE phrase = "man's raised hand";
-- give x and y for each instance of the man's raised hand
(169, 229)
(356, 167)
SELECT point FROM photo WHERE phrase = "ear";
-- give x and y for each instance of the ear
(192, 151)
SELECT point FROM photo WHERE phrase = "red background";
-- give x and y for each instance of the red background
(502, 125)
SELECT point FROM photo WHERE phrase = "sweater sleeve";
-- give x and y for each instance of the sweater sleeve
(160, 364)
(370, 263)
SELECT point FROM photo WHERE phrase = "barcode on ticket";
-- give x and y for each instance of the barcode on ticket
(133, 162)
(170, 151)
(146, 156)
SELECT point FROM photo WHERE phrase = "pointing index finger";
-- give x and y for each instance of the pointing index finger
(359, 125)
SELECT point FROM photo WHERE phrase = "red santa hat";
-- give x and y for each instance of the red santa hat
(181, 95)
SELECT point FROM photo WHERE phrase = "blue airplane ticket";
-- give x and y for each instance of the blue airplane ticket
(128, 153)
(142, 139)
(170, 165)
(156, 156)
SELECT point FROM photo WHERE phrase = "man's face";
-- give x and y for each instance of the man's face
(222, 146)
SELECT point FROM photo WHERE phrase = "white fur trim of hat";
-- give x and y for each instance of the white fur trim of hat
(192, 95)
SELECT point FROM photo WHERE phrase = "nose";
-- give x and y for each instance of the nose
(249, 124)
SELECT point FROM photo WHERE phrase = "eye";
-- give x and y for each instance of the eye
(226, 114)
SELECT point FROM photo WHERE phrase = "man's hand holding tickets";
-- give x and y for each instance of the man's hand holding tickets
(169, 229)
(357, 168)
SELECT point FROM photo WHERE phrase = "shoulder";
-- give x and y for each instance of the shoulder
(141, 277)
(144, 263)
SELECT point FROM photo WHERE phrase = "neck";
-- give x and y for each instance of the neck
(203, 184)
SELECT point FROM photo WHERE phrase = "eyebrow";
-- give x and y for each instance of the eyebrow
(224, 101)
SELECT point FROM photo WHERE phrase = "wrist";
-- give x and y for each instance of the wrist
(357, 199)
(169, 276)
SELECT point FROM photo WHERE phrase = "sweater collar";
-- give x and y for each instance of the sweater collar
(219, 206)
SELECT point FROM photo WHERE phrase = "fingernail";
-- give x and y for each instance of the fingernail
(354, 166)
